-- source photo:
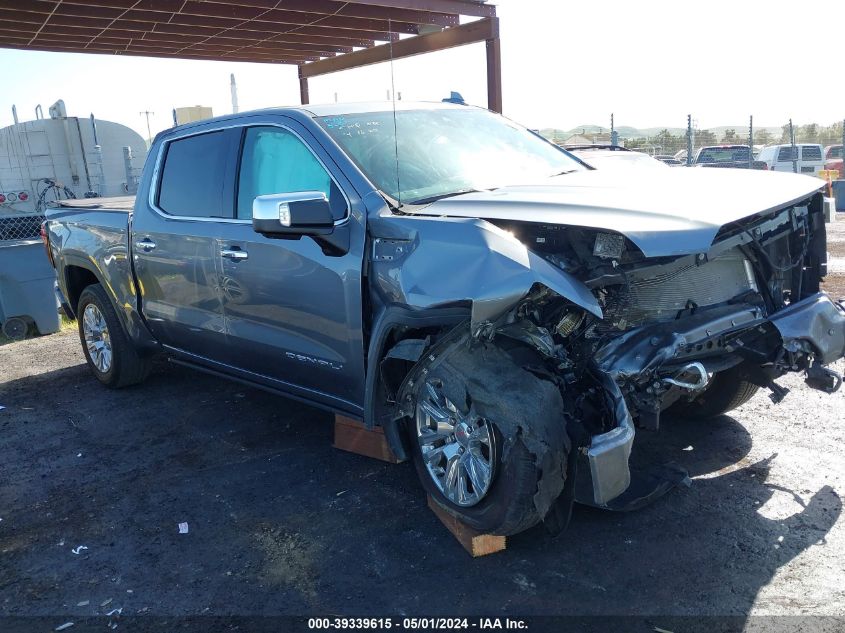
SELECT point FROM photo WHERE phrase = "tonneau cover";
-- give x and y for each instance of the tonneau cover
(118, 203)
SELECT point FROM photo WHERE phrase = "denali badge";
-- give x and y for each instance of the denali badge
(314, 361)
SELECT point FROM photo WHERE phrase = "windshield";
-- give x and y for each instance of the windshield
(444, 151)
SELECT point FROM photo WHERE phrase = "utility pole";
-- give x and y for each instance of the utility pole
(750, 140)
(794, 149)
(147, 113)
(689, 140)
(234, 89)
(614, 137)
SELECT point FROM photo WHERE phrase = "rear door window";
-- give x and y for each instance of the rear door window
(811, 152)
(786, 154)
(275, 160)
(193, 177)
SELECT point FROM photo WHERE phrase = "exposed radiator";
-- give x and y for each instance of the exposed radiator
(659, 293)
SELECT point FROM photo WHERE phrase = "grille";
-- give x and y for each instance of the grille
(21, 227)
(659, 293)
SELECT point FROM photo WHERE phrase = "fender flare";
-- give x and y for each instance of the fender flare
(132, 322)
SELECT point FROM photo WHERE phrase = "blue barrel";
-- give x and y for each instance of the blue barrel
(27, 288)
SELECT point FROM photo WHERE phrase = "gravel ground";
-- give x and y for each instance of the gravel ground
(95, 482)
(836, 256)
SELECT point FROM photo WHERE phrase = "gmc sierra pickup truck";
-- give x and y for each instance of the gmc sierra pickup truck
(508, 314)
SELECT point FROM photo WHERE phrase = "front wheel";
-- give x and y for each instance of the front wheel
(489, 439)
(110, 354)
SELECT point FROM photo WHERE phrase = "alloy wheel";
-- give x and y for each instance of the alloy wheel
(458, 449)
(97, 339)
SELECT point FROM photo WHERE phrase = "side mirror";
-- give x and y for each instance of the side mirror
(292, 214)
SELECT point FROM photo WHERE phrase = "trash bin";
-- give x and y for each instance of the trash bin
(839, 194)
(27, 289)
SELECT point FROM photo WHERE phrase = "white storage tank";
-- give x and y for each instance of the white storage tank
(57, 157)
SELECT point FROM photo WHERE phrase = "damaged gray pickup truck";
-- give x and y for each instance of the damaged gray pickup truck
(506, 313)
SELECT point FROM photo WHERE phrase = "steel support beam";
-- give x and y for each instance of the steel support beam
(462, 7)
(136, 53)
(303, 87)
(494, 75)
(472, 32)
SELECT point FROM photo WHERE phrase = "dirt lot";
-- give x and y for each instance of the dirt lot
(95, 482)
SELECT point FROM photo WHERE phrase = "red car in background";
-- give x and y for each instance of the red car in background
(833, 159)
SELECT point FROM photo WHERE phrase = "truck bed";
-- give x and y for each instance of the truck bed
(93, 235)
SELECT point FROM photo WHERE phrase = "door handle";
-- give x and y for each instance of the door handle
(145, 244)
(235, 254)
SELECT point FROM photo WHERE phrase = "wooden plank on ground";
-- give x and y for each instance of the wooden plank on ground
(351, 435)
(474, 542)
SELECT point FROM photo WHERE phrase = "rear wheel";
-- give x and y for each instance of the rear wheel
(727, 391)
(489, 440)
(109, 352)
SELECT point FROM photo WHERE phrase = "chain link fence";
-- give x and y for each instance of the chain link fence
(730, 145)
(20, 226)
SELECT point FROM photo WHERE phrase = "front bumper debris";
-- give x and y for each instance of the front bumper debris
(814, 326)
(603, 473)
(816, 322)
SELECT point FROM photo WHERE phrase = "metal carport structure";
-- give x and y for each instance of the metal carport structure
(318, 36)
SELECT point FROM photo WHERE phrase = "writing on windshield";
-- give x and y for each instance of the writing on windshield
(427, 154)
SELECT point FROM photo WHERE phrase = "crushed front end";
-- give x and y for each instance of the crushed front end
(750, 305)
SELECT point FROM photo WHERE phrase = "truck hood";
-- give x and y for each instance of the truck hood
(663, 211)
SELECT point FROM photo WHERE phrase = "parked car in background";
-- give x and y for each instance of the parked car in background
(669, 160)
(803, 158)
(837, 165)
(729, 156)
(833, 159)
(612, 157)
(505, 314)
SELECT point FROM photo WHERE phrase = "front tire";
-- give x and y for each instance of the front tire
(112, 358)
(488, 439)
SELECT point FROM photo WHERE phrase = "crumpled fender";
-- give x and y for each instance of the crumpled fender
(429, 262)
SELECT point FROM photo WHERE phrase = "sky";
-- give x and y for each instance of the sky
(564, 64)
